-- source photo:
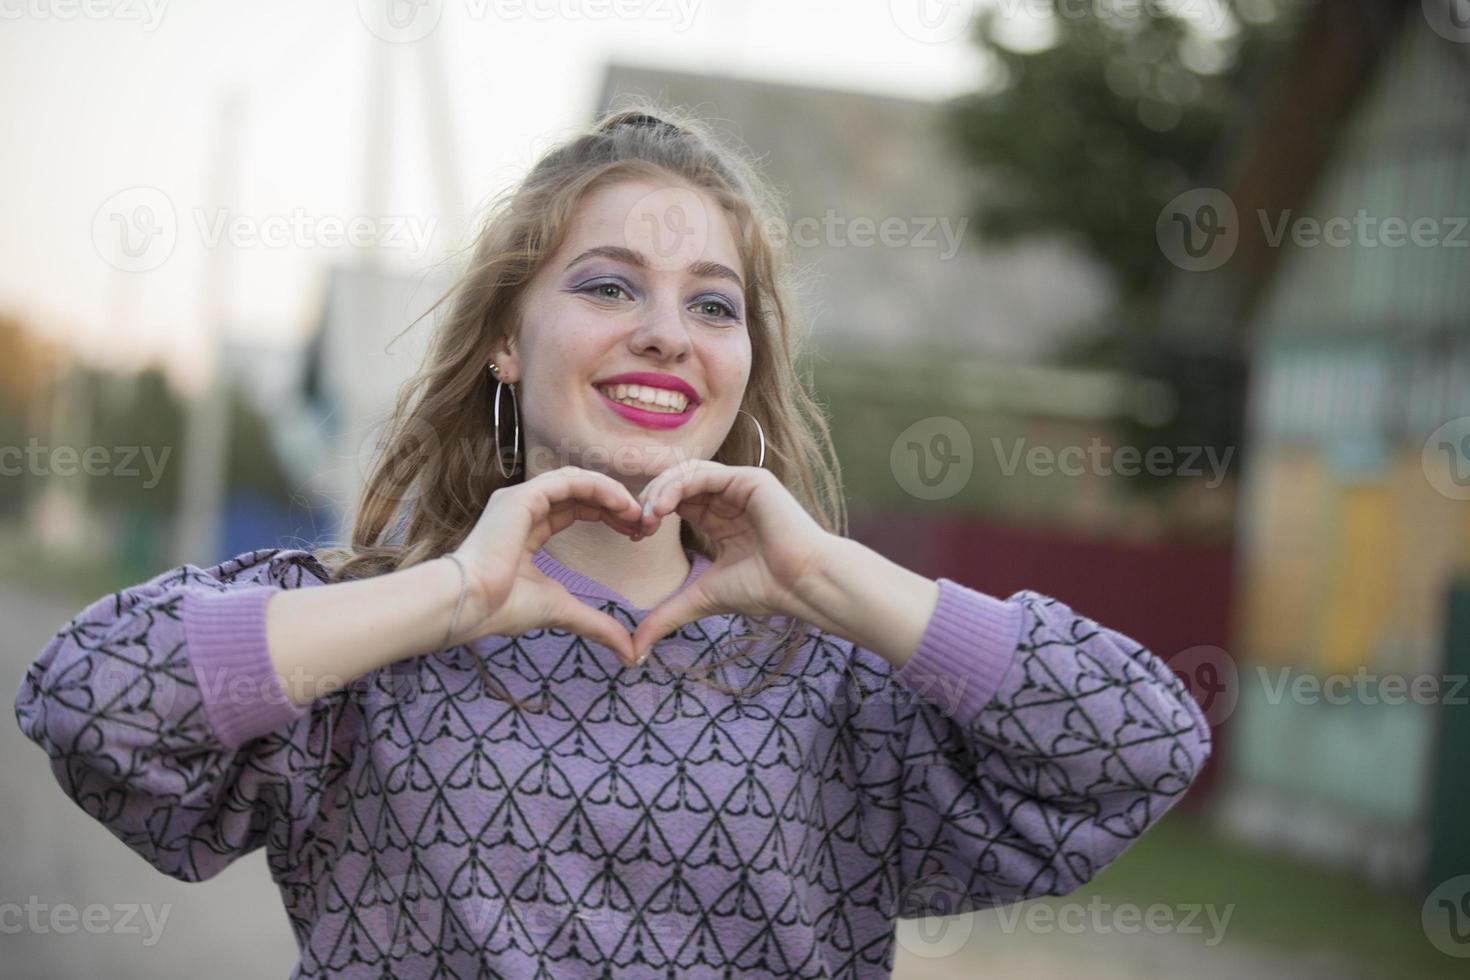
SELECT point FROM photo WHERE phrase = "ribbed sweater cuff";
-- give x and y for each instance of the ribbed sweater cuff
(965, 652)
(224, 633)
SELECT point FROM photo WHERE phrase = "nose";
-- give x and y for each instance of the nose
(662, 333)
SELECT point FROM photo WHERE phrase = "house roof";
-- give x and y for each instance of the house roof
(840, 156)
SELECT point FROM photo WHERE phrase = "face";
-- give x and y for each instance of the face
(633, 351)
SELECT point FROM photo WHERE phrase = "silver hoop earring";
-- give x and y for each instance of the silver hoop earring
(760, 432)
(516, 445)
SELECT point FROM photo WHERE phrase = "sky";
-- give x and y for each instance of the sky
(116, 172)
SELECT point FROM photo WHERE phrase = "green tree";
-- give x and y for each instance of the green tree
(1089, 137)
(143, 410)
(28, 366)
(1092, 135)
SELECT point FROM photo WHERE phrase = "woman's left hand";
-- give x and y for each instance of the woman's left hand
(769, 546)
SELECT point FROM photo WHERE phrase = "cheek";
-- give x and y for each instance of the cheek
(576, 340)
(740, 376)
(728, 367)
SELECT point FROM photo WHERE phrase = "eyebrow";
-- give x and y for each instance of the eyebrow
(619, 253)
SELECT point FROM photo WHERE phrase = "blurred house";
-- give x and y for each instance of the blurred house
(1359, 353)
(936, 323)
(373, 333)
(847, 162)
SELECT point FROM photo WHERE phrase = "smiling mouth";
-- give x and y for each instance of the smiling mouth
(661, 400)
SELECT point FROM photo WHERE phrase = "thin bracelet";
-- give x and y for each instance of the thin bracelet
(464, 585)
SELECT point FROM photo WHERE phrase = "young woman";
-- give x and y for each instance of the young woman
(600, 686)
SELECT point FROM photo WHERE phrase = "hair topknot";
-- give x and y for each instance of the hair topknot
(640, 117)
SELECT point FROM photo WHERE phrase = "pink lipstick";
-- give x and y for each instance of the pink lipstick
(649, 419)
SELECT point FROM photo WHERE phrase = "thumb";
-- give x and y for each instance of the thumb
(675, 611)
(594, 625)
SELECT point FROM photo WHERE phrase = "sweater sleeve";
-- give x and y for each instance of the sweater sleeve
(1037, 746)
(165, 721)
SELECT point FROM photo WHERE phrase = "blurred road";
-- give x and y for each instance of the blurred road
(992, 952)
(53, 854)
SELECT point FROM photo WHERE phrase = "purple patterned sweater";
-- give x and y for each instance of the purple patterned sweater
(644, 824)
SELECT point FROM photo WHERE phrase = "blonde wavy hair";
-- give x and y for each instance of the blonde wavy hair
(428, 484)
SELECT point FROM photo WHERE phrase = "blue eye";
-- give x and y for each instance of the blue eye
(728, 310)
(725, 309)
(605, 284)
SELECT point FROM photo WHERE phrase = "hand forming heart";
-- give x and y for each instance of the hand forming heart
(769, 546)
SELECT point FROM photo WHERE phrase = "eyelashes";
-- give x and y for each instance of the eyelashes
(727, 308)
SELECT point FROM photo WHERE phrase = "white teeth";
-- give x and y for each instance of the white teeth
(642, 396)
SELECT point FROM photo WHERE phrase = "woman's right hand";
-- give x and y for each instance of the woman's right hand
(508, 595)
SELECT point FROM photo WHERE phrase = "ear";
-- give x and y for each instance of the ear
(508, 369)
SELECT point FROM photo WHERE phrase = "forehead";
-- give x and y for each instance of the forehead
(671, 224)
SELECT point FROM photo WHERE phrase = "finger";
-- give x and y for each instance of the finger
(666, 483)
(677, 610)
(695, 509)
(599, 627)
(566, 513)
(575, 483)
(673, 472)
(611, 494)
(651, 517)
(715, 481)
(574, 495)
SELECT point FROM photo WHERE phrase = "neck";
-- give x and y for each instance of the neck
(644, 572)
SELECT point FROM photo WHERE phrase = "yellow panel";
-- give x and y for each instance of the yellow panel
(1282, 562)
(1362, 583)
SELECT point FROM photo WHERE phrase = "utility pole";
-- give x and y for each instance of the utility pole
(444, 149)
(207, 417)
